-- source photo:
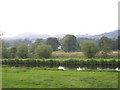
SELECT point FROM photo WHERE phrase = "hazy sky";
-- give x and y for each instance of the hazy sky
(58, 16)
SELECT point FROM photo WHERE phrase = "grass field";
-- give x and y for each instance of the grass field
(36, 77)
(22, 77)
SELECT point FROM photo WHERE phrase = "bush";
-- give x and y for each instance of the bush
(69, 43)
(43, 51)
(22, 51)
(89, 48)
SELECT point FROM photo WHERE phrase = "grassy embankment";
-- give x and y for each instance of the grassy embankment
(53, 78)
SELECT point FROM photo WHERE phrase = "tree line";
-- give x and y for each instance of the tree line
(42, 48)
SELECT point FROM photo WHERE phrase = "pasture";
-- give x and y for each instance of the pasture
(43, 73)
(24, 77)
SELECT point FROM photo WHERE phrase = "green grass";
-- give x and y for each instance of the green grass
(53, 78)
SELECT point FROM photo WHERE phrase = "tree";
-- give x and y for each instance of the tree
(43, 51)
(53, 42)
(19, 41)
(13, 51)
(31, 49)
(69, 43)
(39, 40)
(22, 51)
(4, 50)
(89, 48)
(115, 45)
(105, 44)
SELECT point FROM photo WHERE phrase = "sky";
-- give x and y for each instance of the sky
(58, 16)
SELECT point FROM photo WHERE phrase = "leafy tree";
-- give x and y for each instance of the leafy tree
(13, 51)
(22, 51)
(4, 50)
(105, 44)
(43, 51)
(89, 48)
(39, 40)
(53, 42)
(69, 43)
(31, 49)
(115, 45)
(19, 41)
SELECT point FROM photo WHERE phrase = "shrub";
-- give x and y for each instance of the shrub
(43, 51)
(69, 43)
(89, 48)
(22, 51)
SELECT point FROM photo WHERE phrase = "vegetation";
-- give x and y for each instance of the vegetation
(43, 51)
(34, 63)
(53, 78)
(22, 51)
(118, 40)
(31, 50)
(53, 42)
(74, 62)
(89, 48)
(69, 43)
(105, 44)
(17, 42)
(4, 50)
(40, 41)
(13, 51)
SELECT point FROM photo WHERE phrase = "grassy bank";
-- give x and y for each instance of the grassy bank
(52, 78)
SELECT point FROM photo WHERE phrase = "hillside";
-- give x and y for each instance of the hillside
(112, 35)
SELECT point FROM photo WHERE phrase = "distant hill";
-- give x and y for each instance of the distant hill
(30, 35)
(26, 35)
(112, 35)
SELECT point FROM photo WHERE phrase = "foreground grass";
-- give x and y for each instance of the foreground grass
(53, 78)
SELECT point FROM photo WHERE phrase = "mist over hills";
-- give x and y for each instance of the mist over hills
(29, 35)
